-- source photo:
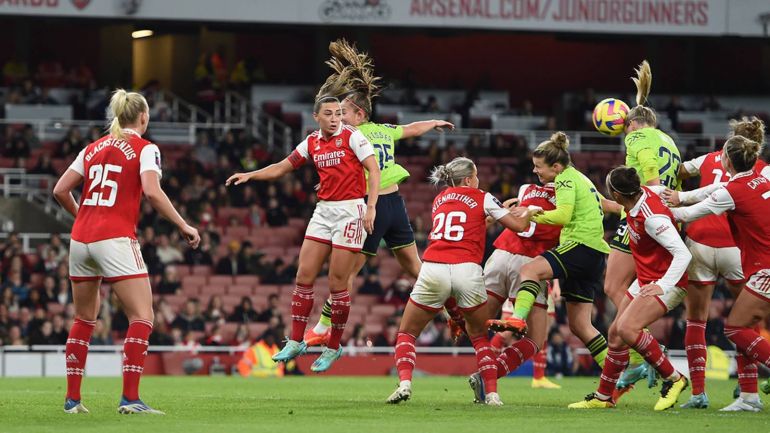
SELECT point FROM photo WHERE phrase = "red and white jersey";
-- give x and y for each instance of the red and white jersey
(459, 225)
(112, 187)
(659, 253)
(539, 237)
(712, 230)
(338, 162)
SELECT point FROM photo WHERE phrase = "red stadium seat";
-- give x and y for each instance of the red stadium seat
(201, 270)
(211, 289)
(240, 290)
(257, 329)
(251, 280)
(194, 281)
(383, 310)
(220, 280)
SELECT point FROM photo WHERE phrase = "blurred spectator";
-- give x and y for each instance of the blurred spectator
(398, 292)
(215, 337)
(243, 312)
(358, 339)
(14, 337)
(169, 283)
(44, 166)
(190, 318)
(271, 310)
(167, 252)
(242, 337)
(276, 215)
(215, 310)
(233, 263)
(34, 300)
(420, 232)
(160, 334)
(673, 108)
(388, 336)
(371, 286)
(560, 360)
(17, 285)
(201, 255)
(101, 335)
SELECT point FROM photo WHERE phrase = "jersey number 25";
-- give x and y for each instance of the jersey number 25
(106, 189)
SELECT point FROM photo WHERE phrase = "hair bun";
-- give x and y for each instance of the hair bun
(561, 140)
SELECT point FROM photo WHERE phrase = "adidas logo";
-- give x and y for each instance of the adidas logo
(699, 360)
(317, 147)
(72, 358)
(485, 360)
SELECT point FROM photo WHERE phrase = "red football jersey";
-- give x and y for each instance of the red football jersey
(712, 230)
(112, 187)
(652, 259)
(338, 162)
(539, 237)
(749, 220)
(459, 225)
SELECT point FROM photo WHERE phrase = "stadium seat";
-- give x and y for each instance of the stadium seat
(251, 280)
(193, 281)
(220, 280)
(383, 310)
(240, 290)
(204, 270)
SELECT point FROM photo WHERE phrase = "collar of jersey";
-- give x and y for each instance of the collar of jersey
(635, 210)
(742, 174)
(131, 131)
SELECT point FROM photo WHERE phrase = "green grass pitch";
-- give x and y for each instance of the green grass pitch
(353, 404)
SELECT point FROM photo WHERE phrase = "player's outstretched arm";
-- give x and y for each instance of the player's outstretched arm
(160, 202)
(517, 224)
(62, 192)
(416, 129)
(272, 171)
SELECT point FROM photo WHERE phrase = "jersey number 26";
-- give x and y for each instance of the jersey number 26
(448, 226)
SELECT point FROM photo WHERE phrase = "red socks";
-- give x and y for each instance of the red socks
(647, 346)
(539, 362)
(485, 359)
(747, 374)
(512, 357)
(301, 307)
(695, 345)
(134, 351)
(497, 342)
(340, 312)
(614, 364)
(75, 354)
(406, 358)
(750, 343)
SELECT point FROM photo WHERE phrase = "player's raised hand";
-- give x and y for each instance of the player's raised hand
(671, 197)
(191, 235)
(237, 179)
(441, 124)
(651, 289)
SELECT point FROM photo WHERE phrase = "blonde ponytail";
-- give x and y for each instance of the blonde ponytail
(124, 109)
(641, 113)
(643, 81)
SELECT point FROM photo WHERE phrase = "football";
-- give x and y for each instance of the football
(609, 116)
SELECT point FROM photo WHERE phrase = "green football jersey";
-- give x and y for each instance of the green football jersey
(659, 146)
(383, 137)
(586, 226)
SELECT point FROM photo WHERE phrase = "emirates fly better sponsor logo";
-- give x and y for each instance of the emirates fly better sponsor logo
(354, 10)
